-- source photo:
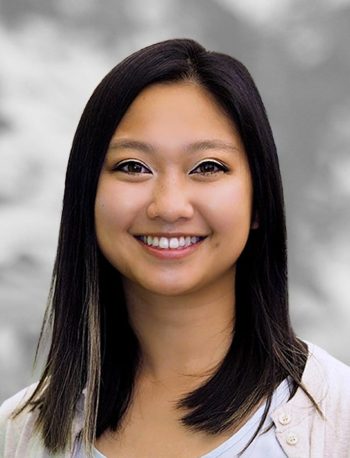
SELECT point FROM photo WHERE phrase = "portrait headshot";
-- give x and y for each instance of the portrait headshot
(178, 276)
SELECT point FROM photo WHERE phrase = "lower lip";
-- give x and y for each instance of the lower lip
(175, 253)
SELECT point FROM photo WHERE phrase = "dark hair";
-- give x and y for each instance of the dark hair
(93, 345)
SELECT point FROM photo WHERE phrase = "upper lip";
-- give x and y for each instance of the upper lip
(169, 235)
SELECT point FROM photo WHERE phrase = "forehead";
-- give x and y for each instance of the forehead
(174, 113)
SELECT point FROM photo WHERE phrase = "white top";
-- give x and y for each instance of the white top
(265, 444)
(299, 429)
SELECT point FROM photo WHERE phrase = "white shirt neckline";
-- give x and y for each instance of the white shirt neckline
(238, 440)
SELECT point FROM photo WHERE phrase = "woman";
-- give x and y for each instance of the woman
(168, 307)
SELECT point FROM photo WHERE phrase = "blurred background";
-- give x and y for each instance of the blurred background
(53, 54)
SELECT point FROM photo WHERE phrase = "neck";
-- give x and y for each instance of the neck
(185, 336)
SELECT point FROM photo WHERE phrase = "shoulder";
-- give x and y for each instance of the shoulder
(15, 401)
(18, 436)
(10, 405)
(326, 377)
(300, 428)
(17, 432)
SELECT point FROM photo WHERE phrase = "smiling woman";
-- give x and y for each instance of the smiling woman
(175, 186)
(169, 307)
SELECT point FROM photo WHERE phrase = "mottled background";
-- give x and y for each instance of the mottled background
(54, 52)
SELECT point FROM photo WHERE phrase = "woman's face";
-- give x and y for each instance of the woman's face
(174, 199)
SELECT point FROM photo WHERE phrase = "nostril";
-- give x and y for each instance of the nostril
(170, 210)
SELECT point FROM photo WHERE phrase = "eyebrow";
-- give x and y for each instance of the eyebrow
(190, 148)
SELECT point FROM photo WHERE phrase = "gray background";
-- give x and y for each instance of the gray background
(53, 54)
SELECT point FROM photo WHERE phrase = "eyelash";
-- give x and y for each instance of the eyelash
(119, 167)
(220, 168)
(123, 167)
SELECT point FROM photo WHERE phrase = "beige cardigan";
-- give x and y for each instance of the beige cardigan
(300, 430)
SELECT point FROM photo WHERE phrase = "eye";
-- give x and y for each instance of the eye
(132, 167)
(209, 168)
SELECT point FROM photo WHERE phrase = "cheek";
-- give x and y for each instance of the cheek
(229, 208)
(116, 207)
(106, 211)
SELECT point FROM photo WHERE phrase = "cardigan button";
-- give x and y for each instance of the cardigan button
(291, 438)
(284, 418)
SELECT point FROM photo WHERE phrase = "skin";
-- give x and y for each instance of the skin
(182, 309)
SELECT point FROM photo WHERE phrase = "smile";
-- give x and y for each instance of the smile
(172, 243)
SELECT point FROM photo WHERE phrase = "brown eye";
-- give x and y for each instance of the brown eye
(132, 167)
(209, 168)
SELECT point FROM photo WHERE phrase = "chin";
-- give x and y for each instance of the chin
(172, 289)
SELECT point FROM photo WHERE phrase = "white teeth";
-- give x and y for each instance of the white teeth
(173, 243)
(163, 243)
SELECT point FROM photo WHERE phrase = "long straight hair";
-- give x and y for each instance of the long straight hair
(93, 346)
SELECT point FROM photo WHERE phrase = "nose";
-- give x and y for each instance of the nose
(170, 200)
